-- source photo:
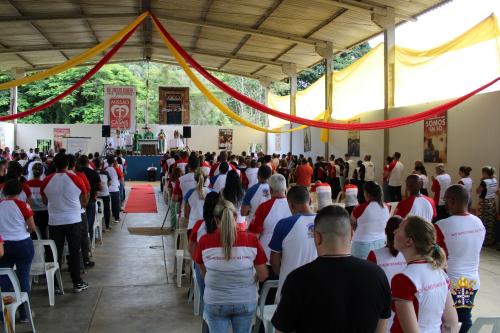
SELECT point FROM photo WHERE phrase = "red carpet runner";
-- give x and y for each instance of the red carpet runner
(141, 199)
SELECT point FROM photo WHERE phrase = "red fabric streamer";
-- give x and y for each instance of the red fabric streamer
(375, 125)
(68, 91)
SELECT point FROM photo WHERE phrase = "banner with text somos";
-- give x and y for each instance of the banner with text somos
(435, 139)
(119, 107)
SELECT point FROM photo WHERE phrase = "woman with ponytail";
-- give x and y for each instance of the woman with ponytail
(369, 220)
(194, 199)
(420, 293)
(226, 259)
(487, 212)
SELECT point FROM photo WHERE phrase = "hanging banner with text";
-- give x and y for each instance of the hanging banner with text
(435, 139)
(119, 107)
(59, 135)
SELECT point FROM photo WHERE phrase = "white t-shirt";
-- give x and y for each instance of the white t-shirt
(462, 238)
(293, 237)
(421, 206)
(218, 182)
(266, 217)
(187, 182)
(252, 176)
(352, 167)
(467, 183)
(13, 215)
(371, 221)
(425, 181)
(254, 196)
(63, 190)
(443, 182)
(105, 177)
(115, 181)
(395, 178)
(369, 171)
(195, 204)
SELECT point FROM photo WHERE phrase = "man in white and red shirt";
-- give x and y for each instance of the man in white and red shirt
(223, 158)
(439, 185)
(417, 203)
(292, 243)
(256, 194)
(461, 236)
(396, 170)
(65, 195)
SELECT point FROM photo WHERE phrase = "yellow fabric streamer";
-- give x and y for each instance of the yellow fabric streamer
(214, 100)
(78, 59)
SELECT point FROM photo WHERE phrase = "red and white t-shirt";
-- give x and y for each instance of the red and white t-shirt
(390, 265)
(421, 206)
(371, 221)
(36, 197)
(266, 217)
(351, 195)
(462, 236)
(396, 169)
(427, 289)
(199, 229)
(214, 171)
(323, 194)
(13, 215)
(440, 184)
(205, 168)
(181, 164)
(23, 196)
(254, 196)
(230, 281)
(217, 183)
(63, 190)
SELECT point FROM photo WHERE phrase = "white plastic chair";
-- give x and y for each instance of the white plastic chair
(195, 294)
(265, 312)
(19, 298)
(181, 254)
(494, 322)
(51, 269)
(393, 206)
(97, 228)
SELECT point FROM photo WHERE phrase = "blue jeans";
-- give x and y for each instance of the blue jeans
(465, 314)
(218, 317)
(361, 249)
(19, 253)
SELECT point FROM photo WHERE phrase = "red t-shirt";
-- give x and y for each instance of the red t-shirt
(303, 174)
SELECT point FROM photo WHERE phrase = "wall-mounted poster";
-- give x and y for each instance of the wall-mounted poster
(59, 135)
(435, 139)
(353, 139)
(225, 139)
(307, 139)
(119, 107)
(173, 105)
(277, 143)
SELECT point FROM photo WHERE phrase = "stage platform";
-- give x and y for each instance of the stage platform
(137, 166)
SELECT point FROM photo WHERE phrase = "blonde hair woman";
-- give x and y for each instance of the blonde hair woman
(226, 259)
(420, 293)
(194, 199)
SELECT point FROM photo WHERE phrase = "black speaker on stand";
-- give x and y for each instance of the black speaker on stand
(186, 134)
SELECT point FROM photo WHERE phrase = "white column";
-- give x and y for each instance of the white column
(17, 73)
(388, 23)
(327, 54)
(291, 71)
(265, 82)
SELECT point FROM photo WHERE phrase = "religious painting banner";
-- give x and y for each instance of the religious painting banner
(225, 139)
(119, 107)
(59, 135)
(307, 139)
(354, 139)
(436, 139)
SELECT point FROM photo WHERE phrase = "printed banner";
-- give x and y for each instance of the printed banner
(77, 145)
(225, 139)
(277, 143)
(353, 139)
(59, 135)
(436, 139)
(119, 107)
(307, 139)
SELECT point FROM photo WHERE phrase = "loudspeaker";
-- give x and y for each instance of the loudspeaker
(106, 131)
(186, 132)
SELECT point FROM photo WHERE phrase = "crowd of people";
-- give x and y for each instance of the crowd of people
(54, 196)
(349, 254)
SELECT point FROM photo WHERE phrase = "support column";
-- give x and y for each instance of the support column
(291, 71)
(327, 53)
(388, 23)
(17, 74)
(265, 82)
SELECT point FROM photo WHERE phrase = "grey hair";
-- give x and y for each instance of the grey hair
(277, 183)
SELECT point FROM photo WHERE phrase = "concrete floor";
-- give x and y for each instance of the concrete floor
(130, 292)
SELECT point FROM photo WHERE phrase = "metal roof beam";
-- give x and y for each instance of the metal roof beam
(367, 8)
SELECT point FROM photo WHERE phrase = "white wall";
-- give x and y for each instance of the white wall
(473, 137)
(7, 132)
(203, 137)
